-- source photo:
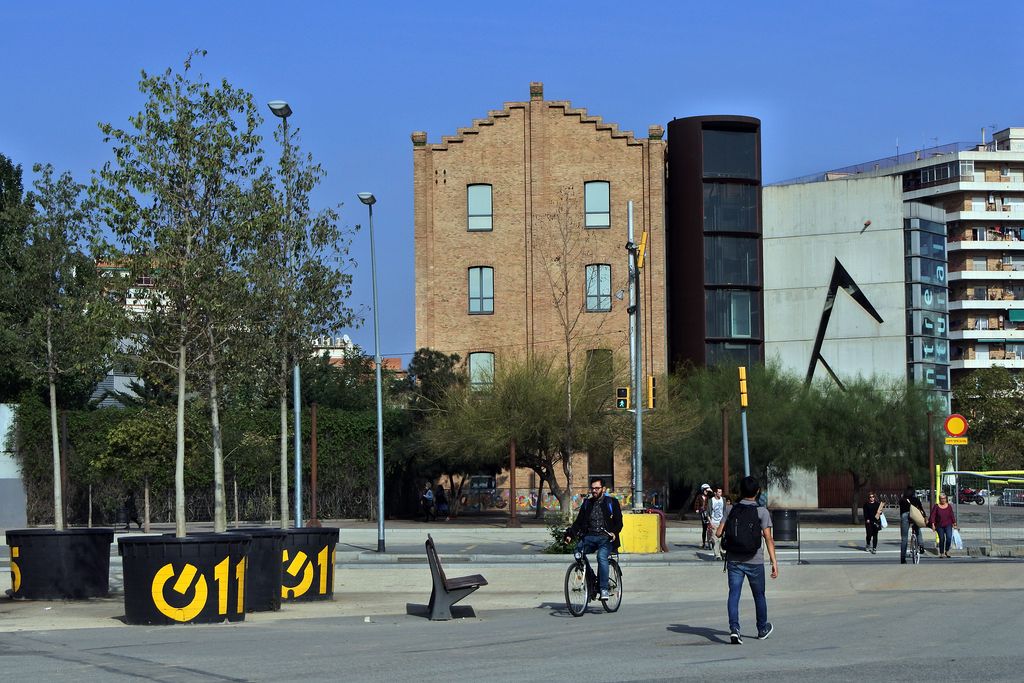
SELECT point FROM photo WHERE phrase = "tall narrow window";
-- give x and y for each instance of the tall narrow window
(481, 290)
(597, 203)
(478, 207)
(481, 370)
(599, 287)
(739, 314)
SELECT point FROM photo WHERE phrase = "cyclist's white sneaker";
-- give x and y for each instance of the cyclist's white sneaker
(605, 596)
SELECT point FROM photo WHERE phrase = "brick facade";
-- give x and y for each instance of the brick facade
(536, 156)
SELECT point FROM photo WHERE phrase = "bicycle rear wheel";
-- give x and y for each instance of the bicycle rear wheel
(915, 551)
(577, 594)
(614, 587)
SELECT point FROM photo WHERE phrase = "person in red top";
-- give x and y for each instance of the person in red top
(942, 521)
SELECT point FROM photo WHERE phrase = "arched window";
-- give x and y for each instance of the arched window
(599, 287)
(478, 207)
(597, 204)
(481, 290)
(481, 370)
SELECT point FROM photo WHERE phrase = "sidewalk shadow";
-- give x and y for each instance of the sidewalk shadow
(458, 611)
(713, 635)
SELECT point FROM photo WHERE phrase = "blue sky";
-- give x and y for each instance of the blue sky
(833, 83)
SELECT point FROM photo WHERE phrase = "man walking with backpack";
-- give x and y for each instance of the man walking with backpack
(745, 526)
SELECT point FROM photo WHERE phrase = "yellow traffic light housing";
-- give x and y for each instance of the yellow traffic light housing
(743, 386)
(651, 391)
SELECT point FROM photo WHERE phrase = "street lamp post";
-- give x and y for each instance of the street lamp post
(368, 199)
(281, 109)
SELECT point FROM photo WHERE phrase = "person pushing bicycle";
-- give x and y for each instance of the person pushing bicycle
(598, 523)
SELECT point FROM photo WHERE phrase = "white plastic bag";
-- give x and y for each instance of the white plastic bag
(958, 542)
(883, 521)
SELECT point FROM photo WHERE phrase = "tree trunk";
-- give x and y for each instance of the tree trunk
(539, 511)
(567, 470)
(858, 485)
(58, 502)
(179, 460)
(220, 518)
(282, 382)
(145, 503)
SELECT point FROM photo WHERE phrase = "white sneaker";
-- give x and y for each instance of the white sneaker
(605, 596)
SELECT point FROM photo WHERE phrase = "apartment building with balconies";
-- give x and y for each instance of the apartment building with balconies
(979, 188)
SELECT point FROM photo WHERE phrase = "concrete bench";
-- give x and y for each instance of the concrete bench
(446, 592)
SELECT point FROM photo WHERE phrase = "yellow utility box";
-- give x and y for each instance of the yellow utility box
(639, 533)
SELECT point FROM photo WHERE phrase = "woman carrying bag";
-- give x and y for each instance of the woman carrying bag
(942, 521)
(872, 522)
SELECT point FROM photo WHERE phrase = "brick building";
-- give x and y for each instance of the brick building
(505, 208)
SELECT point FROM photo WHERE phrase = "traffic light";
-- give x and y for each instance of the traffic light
(651, 388)
(622, 398)
(743, 387)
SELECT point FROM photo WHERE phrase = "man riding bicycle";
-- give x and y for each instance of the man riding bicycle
(599, 522)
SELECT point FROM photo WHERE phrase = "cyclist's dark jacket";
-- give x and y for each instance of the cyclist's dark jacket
(612, 518)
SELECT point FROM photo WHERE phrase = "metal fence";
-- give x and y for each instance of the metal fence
(989, 509)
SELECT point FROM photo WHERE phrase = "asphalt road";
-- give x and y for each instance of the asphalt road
(864, 635)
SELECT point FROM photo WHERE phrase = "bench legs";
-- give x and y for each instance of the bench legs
(441, 602)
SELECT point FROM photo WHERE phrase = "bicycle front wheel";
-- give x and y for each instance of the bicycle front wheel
(576, 592)
(915, 553)
(614, 587)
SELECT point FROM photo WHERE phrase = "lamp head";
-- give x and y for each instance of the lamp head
(280, 108)
(367, 198)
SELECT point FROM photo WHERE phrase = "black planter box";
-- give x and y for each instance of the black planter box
(263, 580)
(197, 579)
(308, 564)
(73, 564)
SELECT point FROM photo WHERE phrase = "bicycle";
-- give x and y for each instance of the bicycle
(709, 533)
(913, 547)
(581, 585)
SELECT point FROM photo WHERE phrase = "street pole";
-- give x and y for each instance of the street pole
(636, 328)
(282, 110)
(956, 480)
(931, 463)
(313, 519)
(368, 199)
(725, 450)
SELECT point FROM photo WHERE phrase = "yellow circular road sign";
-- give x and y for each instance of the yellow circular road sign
(956, 425)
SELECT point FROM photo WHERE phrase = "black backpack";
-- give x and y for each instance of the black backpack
(742, 531)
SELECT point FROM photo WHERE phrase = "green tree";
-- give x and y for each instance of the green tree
(992, 400)
(298, 273)
(780, 430)
(526, 403)
(871, 427)
(68, 323)
(173, 197)
(14, 217)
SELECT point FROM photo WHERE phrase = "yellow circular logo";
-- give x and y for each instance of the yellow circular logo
(182, 585)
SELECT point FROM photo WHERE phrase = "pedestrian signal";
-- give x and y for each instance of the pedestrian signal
(622, 398)
(651, 388)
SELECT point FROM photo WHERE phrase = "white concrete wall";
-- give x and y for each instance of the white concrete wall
(12, 492)
(808, 226)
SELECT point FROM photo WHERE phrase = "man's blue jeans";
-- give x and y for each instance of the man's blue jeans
(603, 545)
(905, 535)
(754, 574)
